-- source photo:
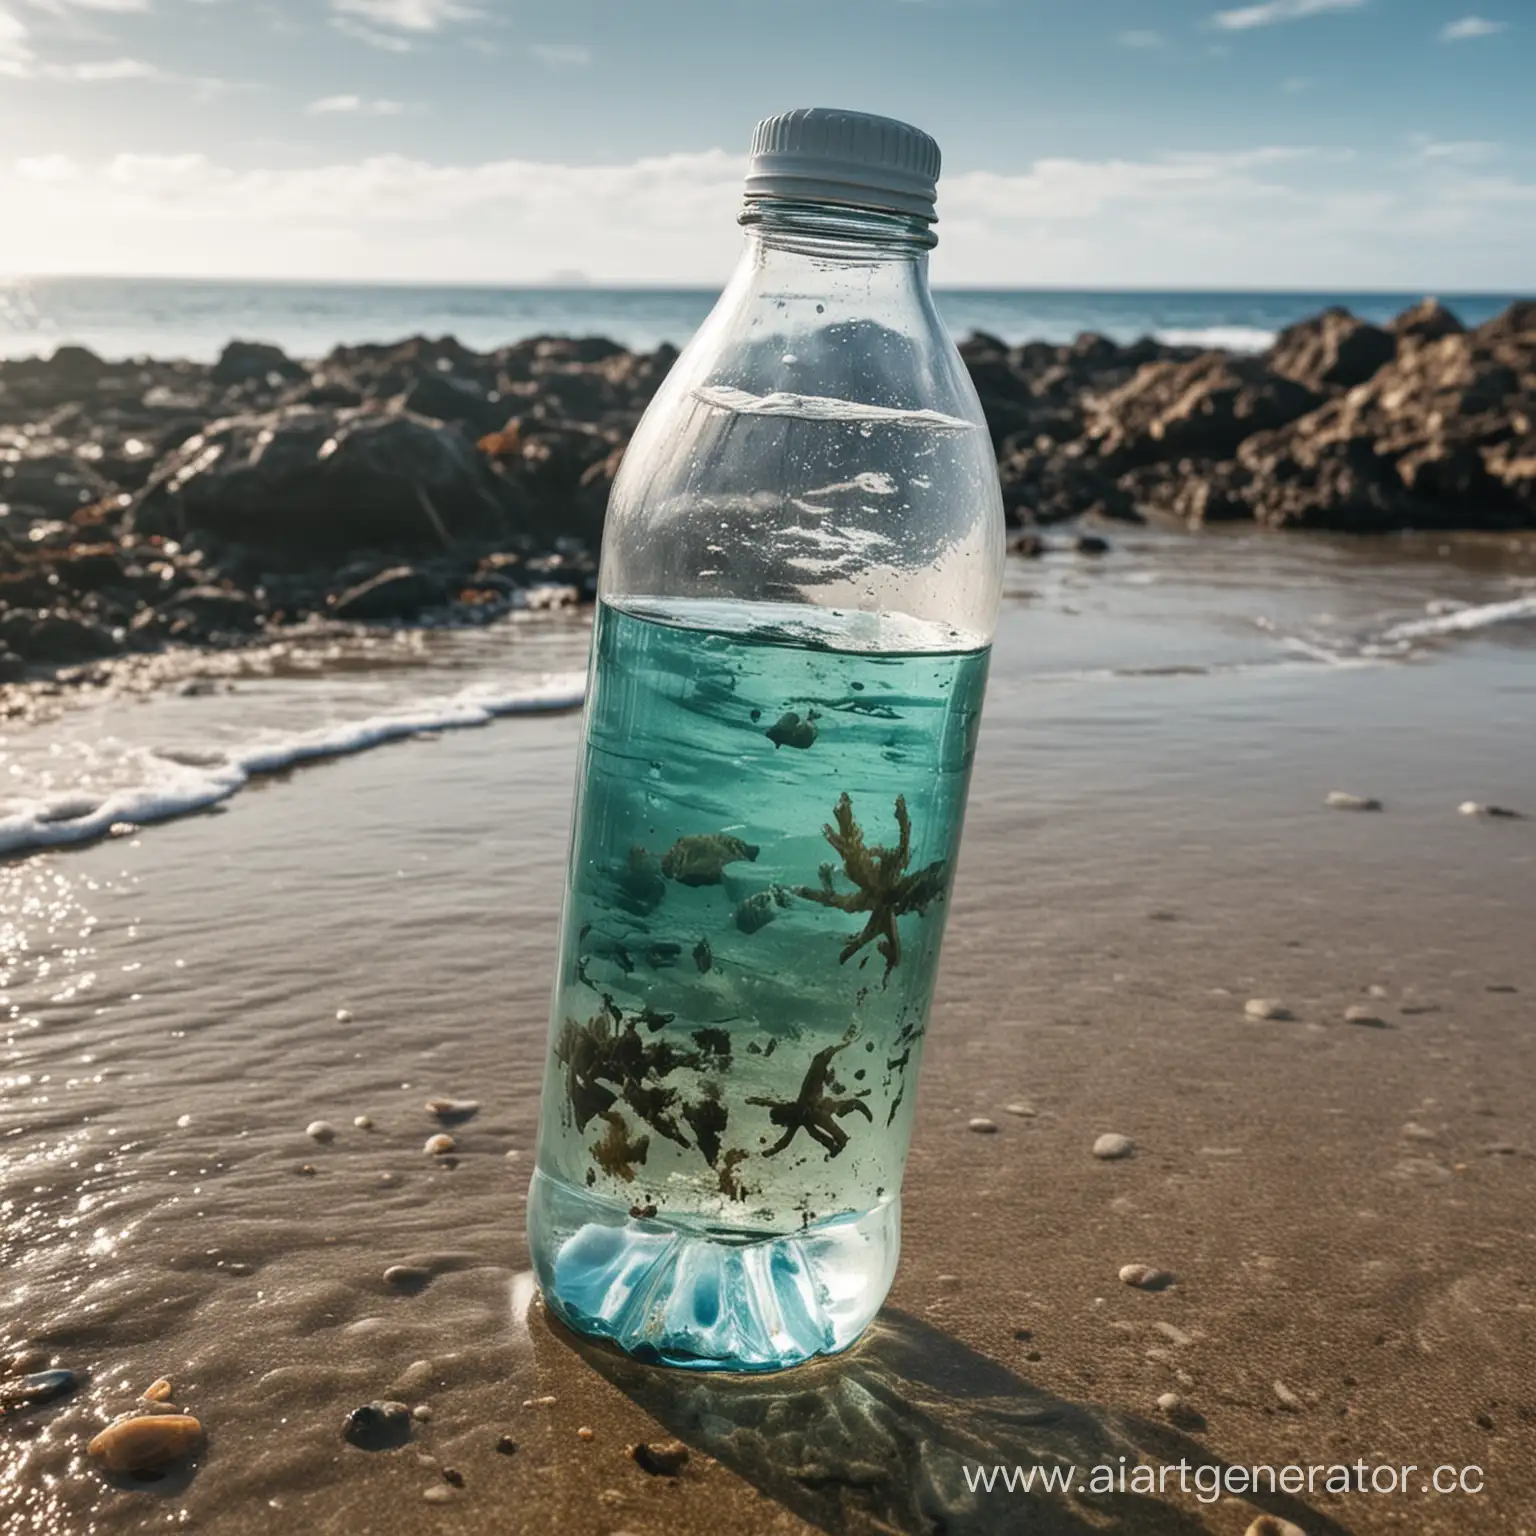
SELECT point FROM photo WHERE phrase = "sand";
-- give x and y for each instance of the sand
(1346, 1210)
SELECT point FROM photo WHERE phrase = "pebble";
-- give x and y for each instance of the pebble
(438, 1493)
(320, 1130)
(1025, 1111)
(982, 1126)
(1144, 1277)
(1358, 1013)
(1477, 808)
(159, 1392)
(144, 1444)
(451, 1111)
(1112, 1146)
(1376, 990)
(1169, 1402)
(1174, 1334)
(507, 1445)
(307, 1170)
(1273, 1525)
(34, 1390)
(343, 1015)
(421, 1413)
(416, 1376)
(666, 1459)
(440, 1145)
(1265, 1008)
(407, 1277)
(25, 1361)
(388, 1179)
(454, 1476)
(378, 1426)
(1340, 801)
(122, 829)
(586, 1433)
(1413, 1131)
(1288, 1399)
(363, 1122)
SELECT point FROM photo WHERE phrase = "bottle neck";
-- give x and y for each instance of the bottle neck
(837, 232)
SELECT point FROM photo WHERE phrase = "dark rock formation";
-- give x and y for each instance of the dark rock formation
(1333, 350)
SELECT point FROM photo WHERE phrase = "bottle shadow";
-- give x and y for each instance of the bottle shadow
(882, 1438)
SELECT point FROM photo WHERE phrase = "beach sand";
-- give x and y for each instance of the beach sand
(1346, 1209)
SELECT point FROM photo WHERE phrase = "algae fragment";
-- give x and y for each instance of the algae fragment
(701, 860)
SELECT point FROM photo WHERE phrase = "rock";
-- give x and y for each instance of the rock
(1026, 542)
(1144, 1277)
(1333, 350)
(363, 1122)
(32, 1391)
(320, 1130)
(378, 1426)
(407, 1277)
(1265, 1008)
(1287, 1399)
(1112, 1146)
(1428, 320)
(1203, 407)
(158, 1391)
(440, 1145)
(506, 1446)
(422, 1413)
(1341, 801)
(1273, 1525)
(438, 1493)
(147, 1443)
(444, 397)
(1169, 1403)
(1025, 1111)
(54, 639)
(242, 362)
(343, 1015)
(452, 1111)
(1358, 1013)
(983, 1126)
(1091, 544)
(323, 482)
(399, 593)
(666, 1458)
(586, 1433)
(212, 610)
(1477, 808)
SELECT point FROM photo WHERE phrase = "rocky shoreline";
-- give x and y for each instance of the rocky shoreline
(154, 503)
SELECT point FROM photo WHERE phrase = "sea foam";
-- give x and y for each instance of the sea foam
(1463, 620)
(183, 783)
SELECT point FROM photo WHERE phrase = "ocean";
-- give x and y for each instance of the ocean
(163, 317)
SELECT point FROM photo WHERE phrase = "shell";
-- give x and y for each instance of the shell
(143, 1444)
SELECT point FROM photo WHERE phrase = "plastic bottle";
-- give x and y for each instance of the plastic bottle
(800, 578)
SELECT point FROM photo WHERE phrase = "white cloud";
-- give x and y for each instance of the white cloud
(1271, 11)
(562, 55)
(1140, 39)
(388, 41)
(15, 56)
(1470, 27)
(1462, 151)
(407, 15)
(1270, 216)
(94, 70)
(377, 108)
(118, 7)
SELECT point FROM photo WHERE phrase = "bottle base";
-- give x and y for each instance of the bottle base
(709, 1298)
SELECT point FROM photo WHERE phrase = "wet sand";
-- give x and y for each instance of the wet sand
(1346, 1210)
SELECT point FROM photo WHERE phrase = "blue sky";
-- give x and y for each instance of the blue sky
(1289, 143)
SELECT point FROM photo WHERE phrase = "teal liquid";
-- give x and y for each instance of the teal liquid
(747, 959)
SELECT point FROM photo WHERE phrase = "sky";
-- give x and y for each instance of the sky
(1334, 144)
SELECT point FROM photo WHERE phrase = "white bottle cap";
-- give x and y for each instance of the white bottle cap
(824, 155)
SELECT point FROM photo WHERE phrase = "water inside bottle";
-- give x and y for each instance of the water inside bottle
(765, 835)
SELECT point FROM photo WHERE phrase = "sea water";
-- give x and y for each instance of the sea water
(765, 833)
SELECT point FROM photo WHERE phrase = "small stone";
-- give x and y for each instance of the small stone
(388, 1179)
(25, 1361)
(147, 1443)
(305, 1170)
(438, 1493)
(982, 1126)
(159, 1391)
(34, 1390)
(1288, 1399)
(584, 1433)
(1273, 1525)
(320, 1130)
(378, 1426)
(1174, 1334)
(343, 1015)
(1112, 1146)
(1340, 801)
(407, 1277)
(452, 1111)
(453, 1476)
(422, 1413)
(122, 829)
(363, 1122)
(1477, 808)
(507, 1446)
(1169, 1403)
(1413, 1131)
(440, 1145)
(1376, 990)
(1366, 1017)
(665, 1459)
(1144, 1277)
(1265, 1008)
(1024, 1111)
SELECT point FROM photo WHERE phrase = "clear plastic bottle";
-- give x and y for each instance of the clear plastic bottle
(800, 579)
